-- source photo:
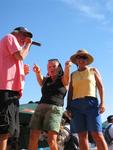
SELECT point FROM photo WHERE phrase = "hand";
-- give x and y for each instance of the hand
(36, 68)
(68, 114)
(101, 108)
(68, 63)
(28, 40)
(26, 69)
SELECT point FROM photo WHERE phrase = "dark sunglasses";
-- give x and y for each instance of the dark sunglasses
(54, 59)
(82, 57)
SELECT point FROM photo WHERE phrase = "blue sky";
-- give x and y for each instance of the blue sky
(63, 27)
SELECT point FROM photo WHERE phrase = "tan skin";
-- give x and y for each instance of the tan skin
(23, 41)
(20, 55)
(52, 68)
(26, 69)
(97, 136)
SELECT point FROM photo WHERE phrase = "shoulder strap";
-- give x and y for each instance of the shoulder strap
(107, 136)
(108, 126)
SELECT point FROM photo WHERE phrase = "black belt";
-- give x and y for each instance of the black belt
(9, 95)
(86, 97)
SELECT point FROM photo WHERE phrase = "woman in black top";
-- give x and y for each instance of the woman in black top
(49, 111)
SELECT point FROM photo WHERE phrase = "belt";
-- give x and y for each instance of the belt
(86, 97)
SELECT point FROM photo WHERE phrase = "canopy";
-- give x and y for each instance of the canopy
(25, 112)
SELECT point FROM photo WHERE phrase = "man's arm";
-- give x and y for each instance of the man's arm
(100, 88)
(20, 55)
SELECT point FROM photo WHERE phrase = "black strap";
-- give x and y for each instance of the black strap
(107, 134)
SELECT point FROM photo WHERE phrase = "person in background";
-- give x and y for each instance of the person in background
(83, 102)
(48, 114)
(108, 133)
(14, 47)
(66, 139)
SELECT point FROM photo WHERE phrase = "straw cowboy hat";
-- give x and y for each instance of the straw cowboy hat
(82, 52)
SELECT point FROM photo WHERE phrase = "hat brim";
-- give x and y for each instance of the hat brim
(28, 34)
(74, 57)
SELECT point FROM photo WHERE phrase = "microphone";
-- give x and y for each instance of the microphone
(36, 43)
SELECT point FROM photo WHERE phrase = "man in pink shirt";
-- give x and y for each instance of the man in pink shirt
(14, 47)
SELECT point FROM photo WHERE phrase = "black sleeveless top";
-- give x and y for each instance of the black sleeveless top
(53, 92)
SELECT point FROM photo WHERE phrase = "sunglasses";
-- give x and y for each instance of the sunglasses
(82, 57)
(54, 59)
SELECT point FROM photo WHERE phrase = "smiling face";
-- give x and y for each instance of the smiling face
(53, 67)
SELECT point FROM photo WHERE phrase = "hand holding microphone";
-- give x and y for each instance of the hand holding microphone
(28, 40)
(28, 35)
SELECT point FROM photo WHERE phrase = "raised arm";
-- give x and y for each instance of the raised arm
(20, 55)
(39, 76)
(66, 76)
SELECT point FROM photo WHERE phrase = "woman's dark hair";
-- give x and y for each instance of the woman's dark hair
(60, 71)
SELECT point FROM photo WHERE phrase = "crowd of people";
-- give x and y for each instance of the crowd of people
(84, 107)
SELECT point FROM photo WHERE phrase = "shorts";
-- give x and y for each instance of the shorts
(9, 112)
(85, 115)
(47, 117)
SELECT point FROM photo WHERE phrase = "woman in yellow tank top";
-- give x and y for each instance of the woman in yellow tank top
(83, 103)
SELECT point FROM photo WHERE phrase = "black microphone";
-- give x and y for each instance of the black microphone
(36, 43)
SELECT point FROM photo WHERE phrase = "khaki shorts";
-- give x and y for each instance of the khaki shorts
(47, 117)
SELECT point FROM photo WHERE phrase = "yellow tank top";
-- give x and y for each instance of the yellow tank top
(83, 83)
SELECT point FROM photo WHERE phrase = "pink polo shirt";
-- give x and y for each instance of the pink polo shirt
(11, 69)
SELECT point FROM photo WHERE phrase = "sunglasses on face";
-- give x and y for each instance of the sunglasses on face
(82, 57)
